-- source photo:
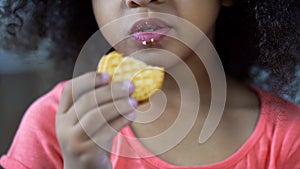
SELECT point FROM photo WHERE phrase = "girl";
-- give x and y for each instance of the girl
(258, 129)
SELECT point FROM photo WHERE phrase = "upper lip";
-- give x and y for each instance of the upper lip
(146, 24)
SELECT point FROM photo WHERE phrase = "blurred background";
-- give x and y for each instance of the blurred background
(27, 76)
(22, 82)
(39, 44)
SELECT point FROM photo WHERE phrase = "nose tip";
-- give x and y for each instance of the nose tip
(138, 3)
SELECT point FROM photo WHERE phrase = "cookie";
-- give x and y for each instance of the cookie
(147, 79)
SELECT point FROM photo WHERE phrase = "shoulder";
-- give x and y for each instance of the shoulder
(39, 119)
(282, 127)
(50, 99)
(36, 135)
(278, 109)
(44, 109)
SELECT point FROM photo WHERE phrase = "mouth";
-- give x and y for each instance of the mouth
(149, 31)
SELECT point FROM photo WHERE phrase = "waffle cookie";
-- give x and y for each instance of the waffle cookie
(147, 79)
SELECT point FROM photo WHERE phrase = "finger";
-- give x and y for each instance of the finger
(79, 86)
(104, 136)
(107, 132)
(92, 121)
(102, 95)
(88, 82)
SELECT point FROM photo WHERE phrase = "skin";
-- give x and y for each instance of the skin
(79, 150)
(201, 13)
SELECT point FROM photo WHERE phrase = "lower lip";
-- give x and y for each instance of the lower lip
(153, 37)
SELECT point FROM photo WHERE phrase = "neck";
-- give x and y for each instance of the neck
(184, 84)
(188, 77)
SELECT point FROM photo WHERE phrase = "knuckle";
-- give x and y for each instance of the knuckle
(79, 133)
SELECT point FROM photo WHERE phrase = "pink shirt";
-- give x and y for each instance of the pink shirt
(274, 144)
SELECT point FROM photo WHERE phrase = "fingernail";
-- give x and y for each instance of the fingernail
(105, 77)
(128, 85)
(102, 78)
(133, 102)
(131, 116)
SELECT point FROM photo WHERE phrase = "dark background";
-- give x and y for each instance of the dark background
(18, 90)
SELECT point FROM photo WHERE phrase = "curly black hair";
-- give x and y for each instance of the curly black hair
(252, 33)
(65, 24)
(261, 35)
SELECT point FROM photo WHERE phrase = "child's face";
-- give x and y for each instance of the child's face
(140, 30)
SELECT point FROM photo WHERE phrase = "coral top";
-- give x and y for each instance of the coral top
(274, 144)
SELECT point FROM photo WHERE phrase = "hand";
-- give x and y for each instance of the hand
(89, 115)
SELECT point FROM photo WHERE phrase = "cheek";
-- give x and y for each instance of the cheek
(109, 23)
(202, 14)
(103, 11)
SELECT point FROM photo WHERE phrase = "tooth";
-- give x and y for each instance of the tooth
(144, 43)
(152, 40)
(149, 30)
